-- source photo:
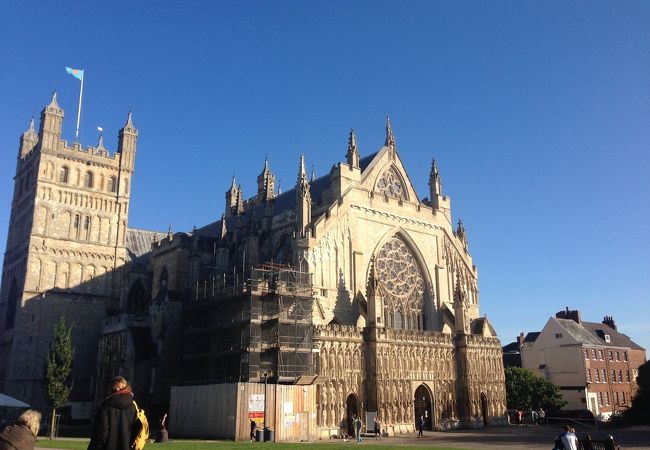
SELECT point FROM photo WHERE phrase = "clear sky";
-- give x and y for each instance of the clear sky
(538, 113)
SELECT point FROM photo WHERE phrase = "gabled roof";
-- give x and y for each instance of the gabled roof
(512, 347)
(579, 332)
(616, 339)
(532, 336)
(366, 160)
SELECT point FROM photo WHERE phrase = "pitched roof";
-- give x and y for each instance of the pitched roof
(580, 333)
(138, 244)
(512, 347)
(616, 339)
(532, 336)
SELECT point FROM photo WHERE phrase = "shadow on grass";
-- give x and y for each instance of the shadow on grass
(82, 444)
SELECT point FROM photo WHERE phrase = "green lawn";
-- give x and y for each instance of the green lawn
(82, 444)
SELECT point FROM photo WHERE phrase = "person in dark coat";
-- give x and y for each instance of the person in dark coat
(21, 436)
(114, 420)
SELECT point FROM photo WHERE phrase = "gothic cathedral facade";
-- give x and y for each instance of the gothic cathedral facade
(395, 327)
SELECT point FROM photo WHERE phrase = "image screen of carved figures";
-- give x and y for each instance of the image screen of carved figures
(401, 285)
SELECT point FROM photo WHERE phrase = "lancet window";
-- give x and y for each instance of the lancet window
(401, 285)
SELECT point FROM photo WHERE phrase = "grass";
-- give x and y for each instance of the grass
(82, 444)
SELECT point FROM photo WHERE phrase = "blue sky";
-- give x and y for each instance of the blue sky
(537, 112)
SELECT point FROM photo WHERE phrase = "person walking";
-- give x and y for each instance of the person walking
(253, 428)
(114, 420)
(569, 439)
(21, 436)
(420, 426)
(541, 416)
(377, 428)
(357, 428)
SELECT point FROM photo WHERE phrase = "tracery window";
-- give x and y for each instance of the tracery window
(391, 185)
(401, 284)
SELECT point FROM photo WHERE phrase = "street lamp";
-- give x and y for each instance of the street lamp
(264, 423)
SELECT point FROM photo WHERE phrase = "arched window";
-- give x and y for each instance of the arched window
(138, 301)
(88, 179)
(64, 174)
(401, 283)
(112, 184)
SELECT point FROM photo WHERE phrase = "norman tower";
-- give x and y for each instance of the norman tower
(65, 246)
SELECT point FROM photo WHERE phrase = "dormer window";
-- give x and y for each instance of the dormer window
(607, 338)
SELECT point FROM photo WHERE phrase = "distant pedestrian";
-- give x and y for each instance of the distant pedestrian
(587, 443)
(358, 424)
(541, 416)
(533, 416)
(420, 426)
(377, 428)
(520, 416)
(253, 428)
(21, 436)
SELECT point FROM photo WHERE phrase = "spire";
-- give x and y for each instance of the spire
(303, 201)
(460, 233)
(127, 143)
(265, 183)
(352, 155)
(28, 140)
(170, 233)
(100, 144)
(390, 138)
(233, 185)
(435, 186)
(53, 103)
(302, 173)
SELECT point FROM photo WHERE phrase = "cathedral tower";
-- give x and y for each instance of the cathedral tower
(65, 246)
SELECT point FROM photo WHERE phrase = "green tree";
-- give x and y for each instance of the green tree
(639, 412)
(59, 366)
(526, 390)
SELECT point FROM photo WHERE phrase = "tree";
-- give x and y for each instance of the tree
(526, 390)
(639, 412)
(58, 369)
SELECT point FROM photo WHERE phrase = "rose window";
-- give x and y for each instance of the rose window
(390, 184)
(401, 284)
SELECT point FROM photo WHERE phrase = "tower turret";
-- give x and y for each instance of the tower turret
(28, 140)
(435, 186)
(127, 142)
(232, 196)
(352, 155)
(51, 125)
(265, 183)
(303, 200)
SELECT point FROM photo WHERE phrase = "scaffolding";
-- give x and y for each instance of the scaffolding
(260, 329)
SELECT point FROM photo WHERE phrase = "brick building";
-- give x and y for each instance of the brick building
(594, 364)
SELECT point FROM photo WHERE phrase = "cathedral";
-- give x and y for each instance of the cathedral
(350, 284)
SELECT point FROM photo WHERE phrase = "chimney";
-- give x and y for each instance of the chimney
(569, 314)
(520, 339)
(609, 321)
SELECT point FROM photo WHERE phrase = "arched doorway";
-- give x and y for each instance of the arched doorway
(484, 409)
(422, 406)
(351, 410)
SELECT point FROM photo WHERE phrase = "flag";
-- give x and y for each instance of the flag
(77, 73)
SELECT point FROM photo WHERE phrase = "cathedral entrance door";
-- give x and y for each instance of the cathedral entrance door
(422, 405)
(351, 410)
(484, 409)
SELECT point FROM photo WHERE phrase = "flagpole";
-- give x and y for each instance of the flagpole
(81, 92)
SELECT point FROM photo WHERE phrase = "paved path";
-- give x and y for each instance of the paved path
(506, 438)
